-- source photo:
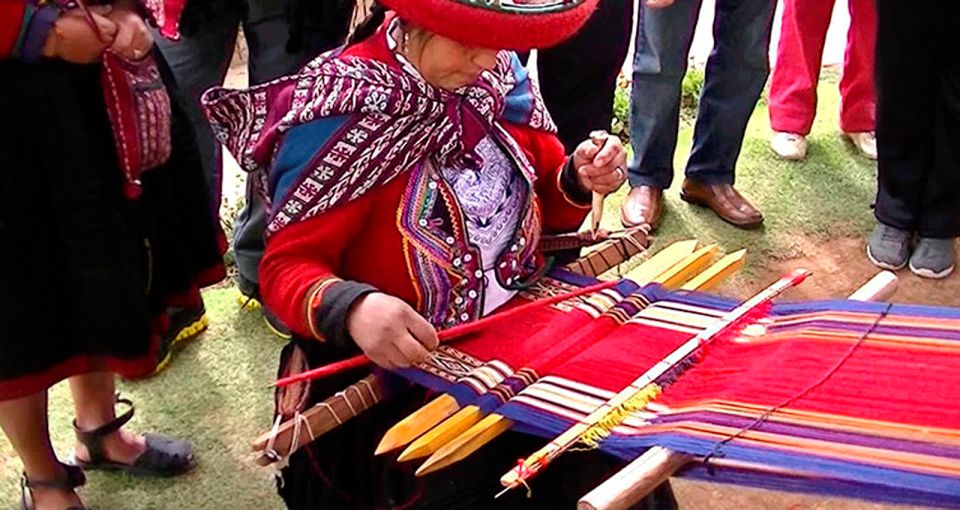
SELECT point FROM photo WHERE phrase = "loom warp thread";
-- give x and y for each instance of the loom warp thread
(717, 450)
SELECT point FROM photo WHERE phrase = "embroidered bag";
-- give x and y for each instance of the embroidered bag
(139, 110)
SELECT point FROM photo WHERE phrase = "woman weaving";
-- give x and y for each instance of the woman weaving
(411, 177)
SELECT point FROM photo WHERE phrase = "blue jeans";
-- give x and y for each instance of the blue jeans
(200, 61)
(735, 75)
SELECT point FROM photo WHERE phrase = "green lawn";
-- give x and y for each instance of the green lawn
(216, 394)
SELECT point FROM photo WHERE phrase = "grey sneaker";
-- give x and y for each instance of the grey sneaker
(889, 248)
(933, 258)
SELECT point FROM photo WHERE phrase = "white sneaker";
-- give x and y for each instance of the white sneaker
(789, 146)
(865, 142)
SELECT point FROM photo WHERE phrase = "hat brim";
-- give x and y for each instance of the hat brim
(493, 29)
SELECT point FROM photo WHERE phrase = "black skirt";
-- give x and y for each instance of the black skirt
(87, 274)
(339, 471)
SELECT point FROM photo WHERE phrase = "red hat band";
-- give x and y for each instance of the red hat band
(498, 24)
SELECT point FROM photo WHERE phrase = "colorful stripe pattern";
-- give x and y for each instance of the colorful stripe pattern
(831, 397)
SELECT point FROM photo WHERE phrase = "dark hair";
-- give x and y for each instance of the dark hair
(369, 26)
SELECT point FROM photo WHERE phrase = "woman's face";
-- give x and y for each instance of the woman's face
(445, 63)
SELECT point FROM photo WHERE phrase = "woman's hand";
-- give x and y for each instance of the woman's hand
(391, 333)
(601, 169)
(74, 40)
(133, 40)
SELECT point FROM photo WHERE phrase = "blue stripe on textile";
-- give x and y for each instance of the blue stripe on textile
(804, 307)
(425, 379)
(854, 476)
(297, 150)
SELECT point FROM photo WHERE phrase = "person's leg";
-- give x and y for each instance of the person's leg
(94, 401)
(578, 78)
(906, 112)
(793, 83)
(24, 421)
(266, 31)
(858, 95)
(736, 73)
(663, 44)
(199, 61)
(939, 221)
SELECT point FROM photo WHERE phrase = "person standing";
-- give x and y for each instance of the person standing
(793, 85)
(918, 130)
(280, 36)
(735, 75)
(578, 78)
(91, 271)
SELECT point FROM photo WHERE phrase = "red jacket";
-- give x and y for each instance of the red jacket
(363, 241)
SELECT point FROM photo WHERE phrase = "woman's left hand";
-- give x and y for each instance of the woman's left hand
(601, 169)
(133, 40)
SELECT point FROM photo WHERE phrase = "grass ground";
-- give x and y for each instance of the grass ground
(215, 392)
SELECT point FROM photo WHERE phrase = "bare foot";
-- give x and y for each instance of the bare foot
(121, 446)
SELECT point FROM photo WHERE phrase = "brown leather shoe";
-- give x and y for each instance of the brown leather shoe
(725, 201)
(643, 206)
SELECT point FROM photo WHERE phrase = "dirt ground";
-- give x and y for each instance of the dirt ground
(838, 265)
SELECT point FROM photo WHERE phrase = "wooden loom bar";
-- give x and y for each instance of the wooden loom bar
(639, 478)
(320, 419)
(619, 247)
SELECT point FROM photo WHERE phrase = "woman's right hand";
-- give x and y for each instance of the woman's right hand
(391, 333)
(72, 38)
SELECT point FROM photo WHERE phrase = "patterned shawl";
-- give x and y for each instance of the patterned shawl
(394, 120)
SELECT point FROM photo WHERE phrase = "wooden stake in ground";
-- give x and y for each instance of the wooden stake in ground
(634, 482)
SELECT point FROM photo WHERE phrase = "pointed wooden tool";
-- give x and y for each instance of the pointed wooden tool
(631, 484)
(443, 433)
(716, 273)
(662, 262)
(481, 433)
(409, 428)
(428, 417)
(688, 267)
(485, 430)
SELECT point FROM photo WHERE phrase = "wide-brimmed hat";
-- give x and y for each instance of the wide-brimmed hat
(498, 24)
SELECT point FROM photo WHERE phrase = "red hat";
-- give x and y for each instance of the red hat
(498, 24)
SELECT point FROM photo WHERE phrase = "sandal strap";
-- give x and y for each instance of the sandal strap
(93, 439)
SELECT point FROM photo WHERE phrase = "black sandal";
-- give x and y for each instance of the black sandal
(74, 478)
(164, 456)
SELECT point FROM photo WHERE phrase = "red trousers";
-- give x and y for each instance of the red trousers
(793, 85)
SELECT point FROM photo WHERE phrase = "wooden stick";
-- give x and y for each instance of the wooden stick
(320, 419)
(656, 465)
(445, 335)
(688, 268)
(619, 247)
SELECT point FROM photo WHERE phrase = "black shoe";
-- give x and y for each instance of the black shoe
(164, 456)
(186, 324)
(250, 299)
